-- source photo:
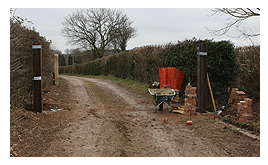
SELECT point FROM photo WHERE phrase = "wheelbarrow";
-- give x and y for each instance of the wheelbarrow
(162, 96)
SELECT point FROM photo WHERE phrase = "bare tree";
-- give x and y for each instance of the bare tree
(238, 15)
(95, 28)
(124, 34)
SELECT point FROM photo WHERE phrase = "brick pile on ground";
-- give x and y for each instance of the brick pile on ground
(244, 104)
(236, 96)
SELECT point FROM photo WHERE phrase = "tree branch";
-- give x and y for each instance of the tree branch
(238, 15)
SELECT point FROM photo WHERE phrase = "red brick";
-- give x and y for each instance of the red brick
(189, 108)
(234, 89)
(210, 114)
(185, 107)
(191, 96)
(187, 104)
(242, 103)
(240, 92)
(198, 114)
(248, 101)
(246, 115)
(192, 89)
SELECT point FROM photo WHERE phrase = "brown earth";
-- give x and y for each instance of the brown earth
(99, 118)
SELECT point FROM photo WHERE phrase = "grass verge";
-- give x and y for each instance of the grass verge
(98, 92)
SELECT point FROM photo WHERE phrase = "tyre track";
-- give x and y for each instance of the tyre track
(123, 126)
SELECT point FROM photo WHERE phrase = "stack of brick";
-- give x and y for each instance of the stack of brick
(245, 110)
(236, 96)
(241, 96)
(190, 100)
(190, 104)
(233, 95)
(244, 105)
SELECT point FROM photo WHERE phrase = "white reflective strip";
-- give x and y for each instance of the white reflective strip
(37, 46)
(202, 53)
(37, 78)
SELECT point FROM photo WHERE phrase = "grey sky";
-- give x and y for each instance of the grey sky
(155, 25)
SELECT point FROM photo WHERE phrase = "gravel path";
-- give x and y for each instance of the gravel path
(121, 125)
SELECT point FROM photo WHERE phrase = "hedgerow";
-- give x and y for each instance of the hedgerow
(143, 64)
(249, 77)
(21, 72)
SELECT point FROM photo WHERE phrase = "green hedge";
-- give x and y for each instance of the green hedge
(143, 64)
(222, 65)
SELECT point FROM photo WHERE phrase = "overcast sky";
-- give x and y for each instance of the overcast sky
(154, 25)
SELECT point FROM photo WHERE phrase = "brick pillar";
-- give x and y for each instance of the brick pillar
(245, 110)
(190, 100)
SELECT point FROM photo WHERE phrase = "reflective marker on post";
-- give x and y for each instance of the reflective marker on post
(37, 47)
(37, 78)
(202, 53)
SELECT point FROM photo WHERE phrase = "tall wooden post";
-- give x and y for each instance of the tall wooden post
(56, 69)
(37, 77)
(201, 76)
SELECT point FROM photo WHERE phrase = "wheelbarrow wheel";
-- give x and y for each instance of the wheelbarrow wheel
(161, 107)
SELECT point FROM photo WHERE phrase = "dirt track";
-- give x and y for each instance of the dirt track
(115, 122)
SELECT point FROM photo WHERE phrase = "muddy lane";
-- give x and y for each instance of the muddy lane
(113, 122)
(92, 133)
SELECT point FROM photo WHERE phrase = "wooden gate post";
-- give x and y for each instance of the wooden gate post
(56, 68)
(201, 76)
(37, 77)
